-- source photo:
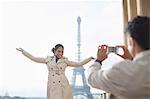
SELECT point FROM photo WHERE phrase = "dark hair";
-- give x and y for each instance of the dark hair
(56, 47)
(139, 29)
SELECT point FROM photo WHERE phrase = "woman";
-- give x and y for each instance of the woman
(57, 86)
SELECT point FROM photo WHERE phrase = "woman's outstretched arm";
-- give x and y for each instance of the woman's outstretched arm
(77, 64)
(28, 55)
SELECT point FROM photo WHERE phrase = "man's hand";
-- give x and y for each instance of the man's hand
(102, 52)
(126, 54)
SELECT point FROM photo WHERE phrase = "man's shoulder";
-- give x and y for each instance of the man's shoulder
(124, 66)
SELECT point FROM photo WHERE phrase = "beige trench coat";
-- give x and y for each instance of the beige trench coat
(57, 86)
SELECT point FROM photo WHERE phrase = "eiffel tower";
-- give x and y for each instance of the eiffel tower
(80, 91)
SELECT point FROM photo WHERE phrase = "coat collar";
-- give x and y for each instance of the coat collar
(59, 60)
(142, 54)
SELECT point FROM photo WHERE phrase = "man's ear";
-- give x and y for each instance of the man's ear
(132, 42)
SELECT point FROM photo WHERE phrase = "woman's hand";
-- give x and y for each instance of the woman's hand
(126, 54)
(92, 58)
(20, 49)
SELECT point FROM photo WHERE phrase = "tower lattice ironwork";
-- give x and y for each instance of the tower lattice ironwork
(80, 91)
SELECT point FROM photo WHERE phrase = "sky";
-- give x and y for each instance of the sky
(37, 26)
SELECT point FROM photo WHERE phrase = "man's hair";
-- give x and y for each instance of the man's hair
(139, 29)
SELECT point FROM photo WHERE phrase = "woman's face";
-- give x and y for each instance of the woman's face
(59, 52)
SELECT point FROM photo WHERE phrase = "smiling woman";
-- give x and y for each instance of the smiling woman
(58, 86)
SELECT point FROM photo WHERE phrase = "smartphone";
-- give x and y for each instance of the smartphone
(112, 50)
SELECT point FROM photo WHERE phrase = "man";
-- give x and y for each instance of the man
(130, 78)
